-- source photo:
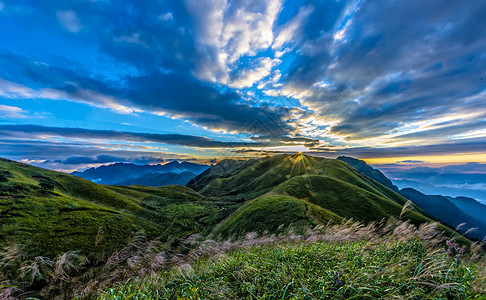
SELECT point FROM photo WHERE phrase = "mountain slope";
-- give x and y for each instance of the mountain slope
(344, 199)
(224, 169)
(274, 213)
(471, 207)
(302, 190)
(445, 210)
(264, 174)
(49, 212)
(369, 171)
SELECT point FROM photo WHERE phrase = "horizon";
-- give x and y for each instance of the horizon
(83, 84)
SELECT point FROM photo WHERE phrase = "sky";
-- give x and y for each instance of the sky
(397, 83)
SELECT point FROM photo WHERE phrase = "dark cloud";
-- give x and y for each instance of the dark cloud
(410, 161)
(104, 159)
(100, 159)
(397, 64)
(25, 131)
(461, 146)
(173, 139)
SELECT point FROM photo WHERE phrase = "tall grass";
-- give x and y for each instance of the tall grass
(345, 261)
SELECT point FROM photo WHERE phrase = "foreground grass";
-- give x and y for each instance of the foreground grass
(366, 269)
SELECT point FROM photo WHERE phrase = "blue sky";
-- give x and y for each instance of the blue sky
(88, 82)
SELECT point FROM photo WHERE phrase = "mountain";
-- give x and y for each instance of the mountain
(442, 208)
(50, 213)
(369, 171)
(160, 179)
(476, 191)
(121, 172)
(298, 190)
(468, 180)
(224, 169)
(471, 207)
(445, 210)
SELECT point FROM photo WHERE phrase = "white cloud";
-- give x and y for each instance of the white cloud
(12, 90)
(290, 30)
(167, 17)
(247, 77)
(89, 97)
(133, 38)
(11, 112)
(69, 20)
(227, 31)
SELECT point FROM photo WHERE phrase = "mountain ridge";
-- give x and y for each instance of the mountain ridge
(118, 173)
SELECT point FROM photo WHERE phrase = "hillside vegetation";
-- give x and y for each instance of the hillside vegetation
(50, 213)
(64, 236)
(345, 261)
(325, 189)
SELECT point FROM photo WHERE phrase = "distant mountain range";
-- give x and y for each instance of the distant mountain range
(128, 173)
(452, 211)
(468, 180)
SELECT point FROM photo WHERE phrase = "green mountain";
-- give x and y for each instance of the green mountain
(49, 212)
(224, 169)
(369, 171)
(301, 190)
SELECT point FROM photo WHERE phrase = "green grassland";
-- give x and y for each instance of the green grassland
(274, 213)
(299, 189)
(397, 266)
(50, 213)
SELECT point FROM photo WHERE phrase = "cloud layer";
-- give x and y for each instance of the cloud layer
(366, 77)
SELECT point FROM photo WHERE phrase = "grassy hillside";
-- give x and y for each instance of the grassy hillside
(299, 189)
(266, 173)
(274, 214)
(347, 261)
(122, 229)
(344, 199)
(50, 213)
(224, 169)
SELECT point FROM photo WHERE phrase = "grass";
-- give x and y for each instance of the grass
(347, 261)
(275, 214)
(50, 213)
(262, 175)
(66, 236)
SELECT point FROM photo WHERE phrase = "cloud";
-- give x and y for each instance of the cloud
(359, 77)
(167, 17)
(104, 159)
(23, 131)
(381, 78)
(448, 148)
(12, 112)
(228, 31)
(175, 94)
(69, 20)
(409, 161)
